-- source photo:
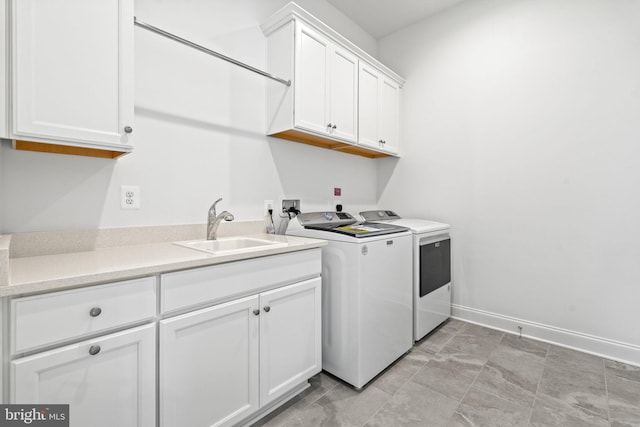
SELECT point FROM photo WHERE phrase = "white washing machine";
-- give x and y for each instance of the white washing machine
(431, 269)
(366, 293)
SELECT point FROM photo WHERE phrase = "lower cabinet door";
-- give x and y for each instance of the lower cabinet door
(107, 381)
(290, 338)
(209, 365)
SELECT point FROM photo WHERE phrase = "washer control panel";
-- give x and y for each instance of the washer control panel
(325, 219)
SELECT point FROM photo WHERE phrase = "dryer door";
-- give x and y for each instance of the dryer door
(435, 265)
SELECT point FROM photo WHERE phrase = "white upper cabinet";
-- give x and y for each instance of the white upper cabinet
(72, 75)
(388, 107)
(312, 80)
(321, 107)
(326, 86)
(379, 102)
(4, 89)
(369, 98)
(344, 95)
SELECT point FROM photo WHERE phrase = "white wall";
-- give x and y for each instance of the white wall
(199, 133)
(522, 129)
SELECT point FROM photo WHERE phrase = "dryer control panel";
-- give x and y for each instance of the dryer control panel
(379, 215)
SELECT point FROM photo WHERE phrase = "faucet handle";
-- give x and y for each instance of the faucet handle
(212, 209)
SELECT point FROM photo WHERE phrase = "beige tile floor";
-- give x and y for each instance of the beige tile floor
(467, 375)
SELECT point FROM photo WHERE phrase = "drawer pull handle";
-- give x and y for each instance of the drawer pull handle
(128, 129)
(94, 349)
(95, 312)
(256, 312)
(267, 308)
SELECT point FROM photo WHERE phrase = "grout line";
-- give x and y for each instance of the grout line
(431, 356)
(606, 390)
(535, 397)
(478, 374)
(403, 384)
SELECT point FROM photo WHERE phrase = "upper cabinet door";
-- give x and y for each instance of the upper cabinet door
(4, 90)
(389, 104)
(378, 115)
(369, 99)
(344, 95)
(72, 63)
(312, 57)
(326, 86)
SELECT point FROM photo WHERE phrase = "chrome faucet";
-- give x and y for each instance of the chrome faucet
(214, 220)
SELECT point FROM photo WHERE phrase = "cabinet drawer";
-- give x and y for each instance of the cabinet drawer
(207, 285)
(49, 319)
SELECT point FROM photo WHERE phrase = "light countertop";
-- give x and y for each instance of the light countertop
(33, 274)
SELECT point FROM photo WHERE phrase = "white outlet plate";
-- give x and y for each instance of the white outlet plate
(268, 204)
(129, 197)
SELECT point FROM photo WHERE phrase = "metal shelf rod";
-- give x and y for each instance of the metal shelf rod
(208, 51)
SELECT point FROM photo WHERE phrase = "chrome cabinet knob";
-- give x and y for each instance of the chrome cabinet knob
(267, 308)
(256, 312)
(334, 126)
(95, 312)
(128, 129)
(94, 349)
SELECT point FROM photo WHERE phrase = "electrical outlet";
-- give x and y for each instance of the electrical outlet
(268, 204)
(129, 197)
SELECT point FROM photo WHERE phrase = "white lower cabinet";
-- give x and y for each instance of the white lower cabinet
(290, 338)
(209, 365)
(219, 365)
(221, 345)
(107, 381)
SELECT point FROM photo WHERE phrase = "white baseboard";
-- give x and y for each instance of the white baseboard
(603, 347)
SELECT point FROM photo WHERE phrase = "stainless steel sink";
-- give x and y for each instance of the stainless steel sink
(229, 245)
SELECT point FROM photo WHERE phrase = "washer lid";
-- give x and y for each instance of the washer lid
(369, 229)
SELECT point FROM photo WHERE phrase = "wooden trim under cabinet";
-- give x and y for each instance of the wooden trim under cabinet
(67, 149)
(318, 141)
